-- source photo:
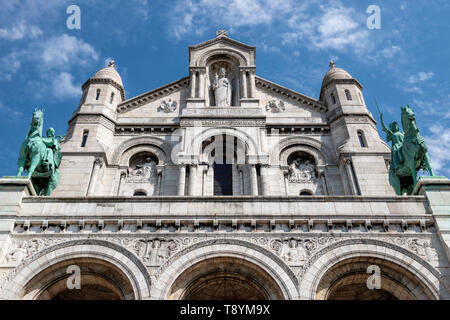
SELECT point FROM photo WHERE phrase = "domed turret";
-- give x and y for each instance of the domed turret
(110, 73)
(335, 74)
(105, 88)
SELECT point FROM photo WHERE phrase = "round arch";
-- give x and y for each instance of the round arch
(159, 145)
(228, 249)
(195, 147)
(314, 275)
(203, 60)
(99, 253)
(306, 144)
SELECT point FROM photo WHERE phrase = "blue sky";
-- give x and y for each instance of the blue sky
(44, 64)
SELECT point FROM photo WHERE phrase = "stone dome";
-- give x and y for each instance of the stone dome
(109, 72)
(335, 74)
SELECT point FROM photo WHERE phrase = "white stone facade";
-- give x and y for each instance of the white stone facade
(306, 209)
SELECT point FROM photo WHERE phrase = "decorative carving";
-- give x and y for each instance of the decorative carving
(275, 107)
(142, 172)
(302, 171)
(167, 107)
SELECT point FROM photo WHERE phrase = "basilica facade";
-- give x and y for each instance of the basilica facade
(224, 185)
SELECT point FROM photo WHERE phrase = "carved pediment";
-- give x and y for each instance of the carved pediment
(153, 95)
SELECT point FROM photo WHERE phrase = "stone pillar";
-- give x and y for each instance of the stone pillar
(123, 175)
(192, 83)
(324, 182)
(241, 182)
(351, 177)
(98, 163)
(181, 180)
(244, 83)
(252, 84)
(253, 180)
(192, 179)
(201, 83)
(265, 180)
(437, 191)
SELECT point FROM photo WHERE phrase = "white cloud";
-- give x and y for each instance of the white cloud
(336, 27)
(20, 31)
(390, 51)
(421, 76)
(438, 147)
(9, 65)
(66, 50)
(189, 17)
(63, 86)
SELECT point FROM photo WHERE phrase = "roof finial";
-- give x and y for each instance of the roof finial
(332, 65)
(112, 63)
(221, 33)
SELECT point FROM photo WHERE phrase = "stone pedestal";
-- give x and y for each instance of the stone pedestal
(12, 190)
(437, 191)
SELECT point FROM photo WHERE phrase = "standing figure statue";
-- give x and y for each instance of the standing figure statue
(409, 152)
(222, 89)
(40, 156)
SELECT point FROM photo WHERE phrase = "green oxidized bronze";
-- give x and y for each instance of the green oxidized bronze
(40, 156)
(409, 152)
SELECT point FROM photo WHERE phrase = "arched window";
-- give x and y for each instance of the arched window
(111, 99)
(85, 136)
(333, 98)
(348, 95)
(97, 95)
(362, 139)
(306, 193)
(223, 171)
(139, 193)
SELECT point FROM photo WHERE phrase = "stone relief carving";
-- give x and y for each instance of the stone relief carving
(275, 107)
(142, 172)
(158, 253)
(167, 107)
(301, 171)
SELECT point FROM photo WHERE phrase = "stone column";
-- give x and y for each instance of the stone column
(252, 84)
(123, 175)
(324, 183)
(201, 83)
(241, 182)
(265, 180)
(192, 83)
(98, 163)
(181, 180)
(192, 179)
(253, 180)
(244, 83)
(351, 177)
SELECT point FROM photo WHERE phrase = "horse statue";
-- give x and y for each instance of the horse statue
(409, 152)
(40, 156)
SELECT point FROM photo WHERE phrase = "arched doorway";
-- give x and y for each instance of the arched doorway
(99, 280)
(348, 280)
(225, 278)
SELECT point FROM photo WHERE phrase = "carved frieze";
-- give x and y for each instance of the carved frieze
(275, 106)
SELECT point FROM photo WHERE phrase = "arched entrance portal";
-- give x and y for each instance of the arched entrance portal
(347, 280)
(225, 278)
(99, 280)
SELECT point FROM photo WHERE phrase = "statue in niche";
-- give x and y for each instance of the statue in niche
(222, 89)
(302, 171)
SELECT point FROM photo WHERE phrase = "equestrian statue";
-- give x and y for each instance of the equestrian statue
(409, 152)
(40, 156)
